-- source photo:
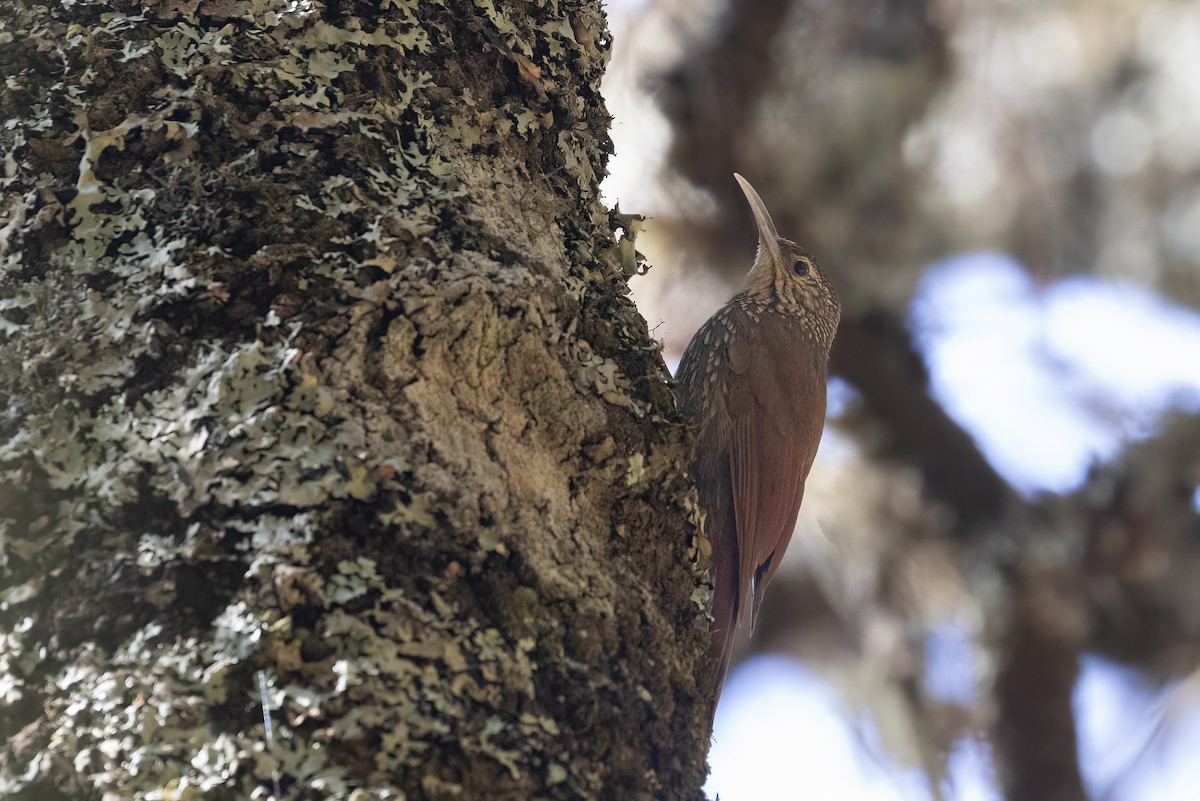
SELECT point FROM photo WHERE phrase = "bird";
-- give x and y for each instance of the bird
(752, 385)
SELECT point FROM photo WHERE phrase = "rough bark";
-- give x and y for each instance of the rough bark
(319, 372)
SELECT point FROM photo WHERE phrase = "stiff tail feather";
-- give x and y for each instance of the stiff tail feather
(726, 602)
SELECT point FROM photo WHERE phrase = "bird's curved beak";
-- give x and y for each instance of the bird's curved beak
(768, 238)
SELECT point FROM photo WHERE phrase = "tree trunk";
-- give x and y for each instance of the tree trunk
(323, 388)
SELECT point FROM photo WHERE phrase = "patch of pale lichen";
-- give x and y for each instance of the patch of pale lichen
(309, 378)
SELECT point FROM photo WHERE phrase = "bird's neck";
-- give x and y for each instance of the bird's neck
(765, 308)
(761, 280)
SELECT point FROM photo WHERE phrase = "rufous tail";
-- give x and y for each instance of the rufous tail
(724, 618)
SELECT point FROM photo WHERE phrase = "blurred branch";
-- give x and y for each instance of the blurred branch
(1143, 552)
(1129, 595)
(874, 352)
(1034, 733)
(711, 94)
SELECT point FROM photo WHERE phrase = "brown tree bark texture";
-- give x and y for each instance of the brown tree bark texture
(319, 373)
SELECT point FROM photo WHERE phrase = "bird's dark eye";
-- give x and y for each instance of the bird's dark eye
(800, 267)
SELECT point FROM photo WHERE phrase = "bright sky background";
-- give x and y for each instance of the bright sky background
(1050, 379)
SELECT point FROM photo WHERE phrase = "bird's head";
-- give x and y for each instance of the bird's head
(786, 277)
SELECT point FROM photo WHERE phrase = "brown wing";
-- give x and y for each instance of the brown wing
(777, 411)
(756, 397)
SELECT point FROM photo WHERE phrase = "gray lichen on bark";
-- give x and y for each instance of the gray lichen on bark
(318, 362)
